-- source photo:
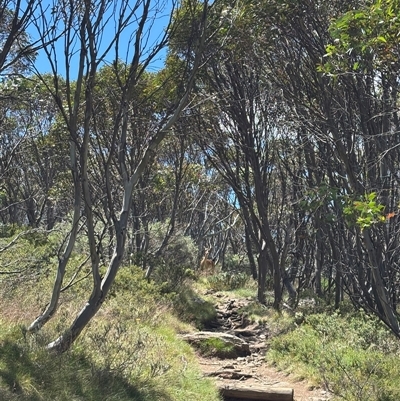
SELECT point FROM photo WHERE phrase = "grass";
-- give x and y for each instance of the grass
(348, 352)
(116, 358)
(217, 348)
(227, 281)
(353, 355)
(28, 372)
(191, 307)
(129, 351)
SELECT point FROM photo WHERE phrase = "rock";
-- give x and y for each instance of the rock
(240, 347)
(230, 305)
(245, 332)
(234, 375)
(257, 347)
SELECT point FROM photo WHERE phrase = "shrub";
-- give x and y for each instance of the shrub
(353, 355)
(236, 263)
(177, 260)
(193, 309)
(227, 281)
(8, 230)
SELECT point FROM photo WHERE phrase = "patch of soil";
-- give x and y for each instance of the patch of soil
(252, 370)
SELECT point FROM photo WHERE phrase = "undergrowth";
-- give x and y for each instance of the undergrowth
(129, 351)
(217, 348)
(190, 307)
(353, 355)
(227, 281)
(348, 352)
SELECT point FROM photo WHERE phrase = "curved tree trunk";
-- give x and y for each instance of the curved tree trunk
(51, 308)
(101, 289)
(99, 292)
(390, 317)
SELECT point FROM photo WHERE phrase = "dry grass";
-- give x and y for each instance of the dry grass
(129, 351)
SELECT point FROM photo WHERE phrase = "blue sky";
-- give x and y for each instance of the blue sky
(155, 28)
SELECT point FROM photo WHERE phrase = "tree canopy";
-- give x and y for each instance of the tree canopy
(270, 136)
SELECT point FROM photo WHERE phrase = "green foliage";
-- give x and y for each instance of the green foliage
(8, 230)
(27, 253)
(365, 212)
(13, 30)
(191, 308)
(277, 322)
(130, 281)
(256, 311)
(185, 30)
(318, 197)
(129, 352)
(353, 355)
(226, 281)
(176, 262)
(29, 373)
(236, 262)
(363, 38)
(217, 348)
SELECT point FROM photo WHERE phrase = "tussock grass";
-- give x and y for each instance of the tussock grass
(217, 348)
(130, 350)
(193, 308)
(28, 372)
(353, 355)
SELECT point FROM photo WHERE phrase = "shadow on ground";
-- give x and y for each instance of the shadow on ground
(41, 376)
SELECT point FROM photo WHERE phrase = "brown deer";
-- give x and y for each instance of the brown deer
(207, 266)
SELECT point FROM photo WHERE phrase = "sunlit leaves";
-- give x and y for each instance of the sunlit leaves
(365, 212)
(365, 38)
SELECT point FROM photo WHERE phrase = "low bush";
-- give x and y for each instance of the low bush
(226, 281)
(354, 356)
(192, 308)
(236, 263)
(176, 261)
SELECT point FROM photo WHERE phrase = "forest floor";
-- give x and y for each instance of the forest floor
(252, 370)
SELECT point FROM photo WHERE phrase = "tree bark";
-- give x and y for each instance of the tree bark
(381, 291)
(101, 290)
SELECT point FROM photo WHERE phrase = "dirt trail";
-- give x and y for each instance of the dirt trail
(251, 370)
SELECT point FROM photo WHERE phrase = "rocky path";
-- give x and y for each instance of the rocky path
(250, 370)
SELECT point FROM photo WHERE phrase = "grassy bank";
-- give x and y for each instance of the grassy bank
(130, 351)
(352, 354)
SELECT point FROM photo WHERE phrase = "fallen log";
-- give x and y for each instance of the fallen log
(256, 393)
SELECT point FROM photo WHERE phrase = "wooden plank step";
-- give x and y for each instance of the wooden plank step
(264, 393)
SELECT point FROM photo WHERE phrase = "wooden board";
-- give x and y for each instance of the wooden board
(256, 393)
